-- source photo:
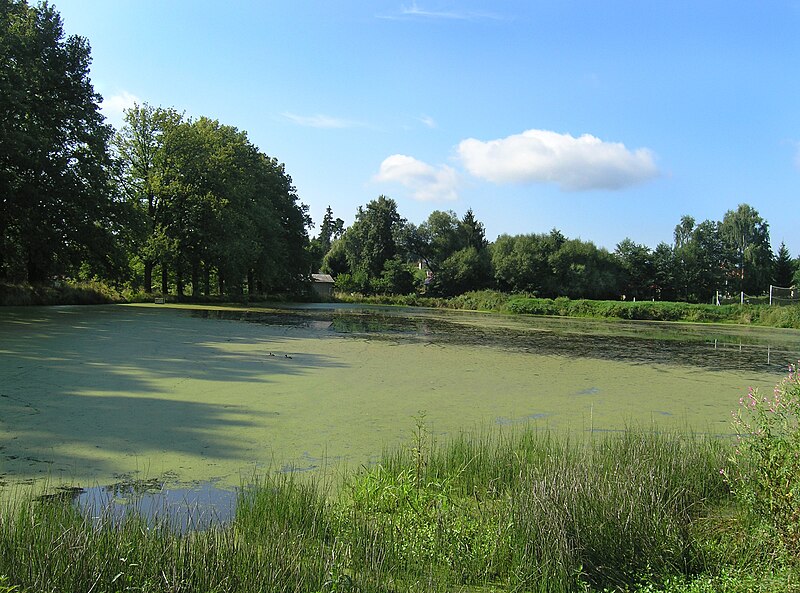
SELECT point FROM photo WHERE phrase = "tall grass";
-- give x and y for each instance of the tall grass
(530, 511)
(519, 510)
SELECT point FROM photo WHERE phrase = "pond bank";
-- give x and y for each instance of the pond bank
(489, 300)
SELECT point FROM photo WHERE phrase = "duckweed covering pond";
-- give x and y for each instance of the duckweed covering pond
(96, 395)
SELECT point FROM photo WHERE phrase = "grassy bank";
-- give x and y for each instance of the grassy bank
(489, 300)
(514, 511)
(93, 293)
(64, 293)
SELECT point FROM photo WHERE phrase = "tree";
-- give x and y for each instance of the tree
(466, 269)
(522, 263)
(584, 271)
(141, 153)
(472, 231)
(698, 258)
(637, 269)
(664, 270)
(212, 205)
(372, 239)
(330, 230)
(434, 240)
(784, 269)
(748, 255)
(57, 202)
(335, 261)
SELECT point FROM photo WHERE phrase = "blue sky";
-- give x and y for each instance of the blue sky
(604, 119)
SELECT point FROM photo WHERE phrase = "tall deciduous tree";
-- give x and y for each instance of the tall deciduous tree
(372, 239)
(140, 148)
(745, 237)
(522, 263)
(637, 276)
(57, 207)
(698, 260)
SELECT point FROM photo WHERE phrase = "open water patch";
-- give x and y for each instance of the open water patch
(196, 507)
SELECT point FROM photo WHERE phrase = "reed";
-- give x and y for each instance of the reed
(516, 510)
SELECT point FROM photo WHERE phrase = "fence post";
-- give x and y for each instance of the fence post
(742, 301)
(770, 294)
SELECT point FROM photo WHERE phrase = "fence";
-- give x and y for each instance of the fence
(778, 295)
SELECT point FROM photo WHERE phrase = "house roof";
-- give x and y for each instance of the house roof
(324, 278)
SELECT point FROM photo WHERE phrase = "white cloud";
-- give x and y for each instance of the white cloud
(428, 183)
(320, 121)
(114, 107)
(461, 15)
(575, 164)
(428, 121)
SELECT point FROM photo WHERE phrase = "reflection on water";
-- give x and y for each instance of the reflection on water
(704, 346)
(196, 507)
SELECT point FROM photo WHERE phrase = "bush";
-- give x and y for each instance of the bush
(765, 466)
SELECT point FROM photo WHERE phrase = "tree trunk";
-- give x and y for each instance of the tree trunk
(164, 279)
(148, 276)
(195, 278)
(251, 283)
(207, 279)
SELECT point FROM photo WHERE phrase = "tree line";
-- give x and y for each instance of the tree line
(446, 255)
(191, 202)
(191, 206)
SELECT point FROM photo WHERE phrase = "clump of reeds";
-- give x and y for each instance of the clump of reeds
(529, 510)
(520, 510)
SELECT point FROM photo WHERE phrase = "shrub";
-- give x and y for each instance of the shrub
(765, 466)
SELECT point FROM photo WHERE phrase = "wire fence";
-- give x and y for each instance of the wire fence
(777, 295)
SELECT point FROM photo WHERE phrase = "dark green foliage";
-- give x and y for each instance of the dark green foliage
(210, 205)
(329, 231)
(465, 270)
(521, 263)
(63, 293)
(57, 202)
(396, 278)
(637, 276)
(699, 261)
(748, 255)
(335, 260)
(372, 239)
(784, 268)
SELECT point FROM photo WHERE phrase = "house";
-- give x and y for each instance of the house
(322, 285)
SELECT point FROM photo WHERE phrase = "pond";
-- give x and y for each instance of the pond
(187, 396)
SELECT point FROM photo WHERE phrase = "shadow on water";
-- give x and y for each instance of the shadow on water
(111, 377)
(115, 398)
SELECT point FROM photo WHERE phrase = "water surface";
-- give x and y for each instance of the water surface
(90, 396)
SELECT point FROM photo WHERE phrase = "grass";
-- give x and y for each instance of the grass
(520, 510)
(90, 293)
(491, 300)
